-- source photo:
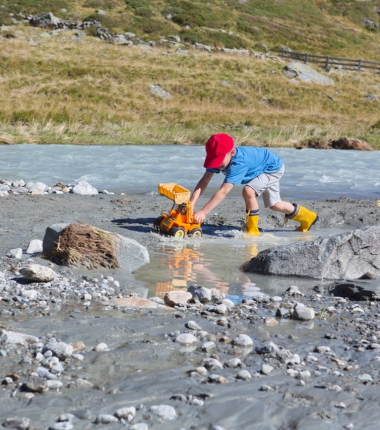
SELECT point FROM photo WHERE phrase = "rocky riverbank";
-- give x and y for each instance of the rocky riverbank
(78, 351)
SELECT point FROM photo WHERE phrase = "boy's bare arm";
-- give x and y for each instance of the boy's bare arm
(201, 187)
(217, 198)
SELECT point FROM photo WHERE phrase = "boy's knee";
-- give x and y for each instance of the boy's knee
(249, 191)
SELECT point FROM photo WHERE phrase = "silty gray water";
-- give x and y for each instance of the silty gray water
(213, 262)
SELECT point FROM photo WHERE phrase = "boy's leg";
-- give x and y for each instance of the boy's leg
(251, 211)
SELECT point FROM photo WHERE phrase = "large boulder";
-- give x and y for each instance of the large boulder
(306, 74)
(343, 256)
(88, 247)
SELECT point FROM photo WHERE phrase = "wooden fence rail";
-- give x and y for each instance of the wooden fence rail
(328, 62)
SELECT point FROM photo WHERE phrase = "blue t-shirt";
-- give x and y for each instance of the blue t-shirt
(248, 163)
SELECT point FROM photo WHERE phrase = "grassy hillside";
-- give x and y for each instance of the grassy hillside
(93, 92)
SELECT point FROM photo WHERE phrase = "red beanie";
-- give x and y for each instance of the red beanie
(217, 147)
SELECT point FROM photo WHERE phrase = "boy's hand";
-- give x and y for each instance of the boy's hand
(199, 216)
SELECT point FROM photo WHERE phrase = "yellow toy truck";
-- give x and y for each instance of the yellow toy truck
(179, 221)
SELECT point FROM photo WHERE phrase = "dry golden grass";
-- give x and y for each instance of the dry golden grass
(91, 92)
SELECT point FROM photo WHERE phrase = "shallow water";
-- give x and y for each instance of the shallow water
(214, 263)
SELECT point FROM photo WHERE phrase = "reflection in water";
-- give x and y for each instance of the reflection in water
(187, 264)
(179, 261)
(215, 262)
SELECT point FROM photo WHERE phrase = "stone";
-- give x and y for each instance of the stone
(17, 423)
(51, 236)
(84, 189)
(37, 384)
(203, 294)
(233, 363)
(266, 348)
(371, 97)
(303, 313)
(15, 253)
(221, 309)
(101, 347)
(38, 273)
(242, 340)
(44, 20)
(165, 412)
(35, 247)
(244, 375)
(212, 363)
(126, 412)
(177, 298)
(192, 325)
(266, 369)
(306, 74)
(355, 290)
(186, 339)
(160, 92)
(15, 338)
(208, 346)
(347, 255)
(106, 419)
(37, 187)
(61, 349)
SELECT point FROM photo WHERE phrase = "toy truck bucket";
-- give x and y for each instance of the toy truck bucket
(174, 192)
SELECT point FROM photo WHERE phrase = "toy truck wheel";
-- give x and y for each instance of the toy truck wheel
(177, 232)
(196, 232)
(157, 222)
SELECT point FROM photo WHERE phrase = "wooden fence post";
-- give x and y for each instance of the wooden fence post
(327, 61)
(282, 52)
(306, 57)
(359, 65)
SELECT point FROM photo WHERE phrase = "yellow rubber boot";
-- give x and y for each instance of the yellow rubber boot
(252, 222)
(305, 217)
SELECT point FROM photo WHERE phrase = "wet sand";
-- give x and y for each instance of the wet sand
(323, 373)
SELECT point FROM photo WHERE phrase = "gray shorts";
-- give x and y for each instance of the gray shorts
(268, 184)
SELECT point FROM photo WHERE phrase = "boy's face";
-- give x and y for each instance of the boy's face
(227, 159)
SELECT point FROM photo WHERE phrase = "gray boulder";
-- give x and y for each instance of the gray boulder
(343, 256)
(306, 74)
(51, 235)
(45, 20)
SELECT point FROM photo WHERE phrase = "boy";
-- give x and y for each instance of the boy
(260, 170)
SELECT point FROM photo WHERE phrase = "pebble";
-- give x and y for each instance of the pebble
(266, 369)
(244, 375)
(106, 419)
(165, 412)
(127, 412)
(101, 347)
(242, 340)
(186, 339)
(208, 346)
(192, 325)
